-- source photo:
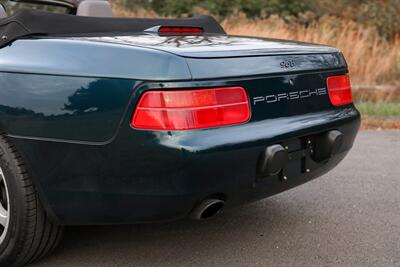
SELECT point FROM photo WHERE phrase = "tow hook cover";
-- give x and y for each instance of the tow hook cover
(327, 145)
(272, 160)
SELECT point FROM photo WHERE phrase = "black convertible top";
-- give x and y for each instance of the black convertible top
(26, 22)
(69, 3)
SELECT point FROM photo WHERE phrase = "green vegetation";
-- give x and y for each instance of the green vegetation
(383, 15)
(223, 8)
(380, 109)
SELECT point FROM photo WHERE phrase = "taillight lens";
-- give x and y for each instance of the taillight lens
(339, 89)
(191, 109)
(169, 30)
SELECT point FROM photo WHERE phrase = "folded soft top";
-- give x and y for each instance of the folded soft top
(26, 22)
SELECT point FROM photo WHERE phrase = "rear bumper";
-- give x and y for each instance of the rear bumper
(151, 176)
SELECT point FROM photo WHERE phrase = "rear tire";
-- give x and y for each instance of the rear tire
(26, 232)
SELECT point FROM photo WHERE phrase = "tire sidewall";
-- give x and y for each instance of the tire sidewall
(13, 178)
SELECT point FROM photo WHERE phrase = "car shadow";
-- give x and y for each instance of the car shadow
(182, 242)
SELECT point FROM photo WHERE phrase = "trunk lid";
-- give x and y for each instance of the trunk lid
(216, 46)
(221, 56)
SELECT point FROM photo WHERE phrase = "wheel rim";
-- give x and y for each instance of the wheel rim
(4, 207)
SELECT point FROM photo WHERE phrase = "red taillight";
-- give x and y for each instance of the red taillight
(339, 89)
(168, 30)
(191, 109)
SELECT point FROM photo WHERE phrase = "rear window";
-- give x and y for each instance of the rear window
(12, 6)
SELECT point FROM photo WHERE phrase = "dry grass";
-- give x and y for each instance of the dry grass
(371, 123)
(375, 94)
(138, 13)
(372, 59)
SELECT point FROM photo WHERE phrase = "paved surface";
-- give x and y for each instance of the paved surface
(350, 217)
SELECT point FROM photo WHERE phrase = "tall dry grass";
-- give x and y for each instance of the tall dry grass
(372, 59)
(137, 13)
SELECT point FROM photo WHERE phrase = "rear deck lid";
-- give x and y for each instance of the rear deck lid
(218, 56)
(216, 46)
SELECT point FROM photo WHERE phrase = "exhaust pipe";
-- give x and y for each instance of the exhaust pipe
(207, 209)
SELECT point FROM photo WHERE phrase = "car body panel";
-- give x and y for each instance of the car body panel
(201, 68)
(61, 107)
(214, 46)
(67, 106)
(166, 59)
(66, 57)
(76, 109)
(149, 176)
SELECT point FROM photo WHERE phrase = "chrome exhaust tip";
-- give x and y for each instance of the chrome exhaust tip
(207, 209)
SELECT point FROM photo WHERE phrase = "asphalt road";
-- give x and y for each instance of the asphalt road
(350, 217)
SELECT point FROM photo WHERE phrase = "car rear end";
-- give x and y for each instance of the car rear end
(252, 122)
(152, 127)
(104, 126)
